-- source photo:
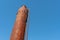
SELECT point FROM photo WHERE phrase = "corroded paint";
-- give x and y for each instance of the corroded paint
(20, 24)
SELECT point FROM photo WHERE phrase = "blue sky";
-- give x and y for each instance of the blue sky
(44, 18)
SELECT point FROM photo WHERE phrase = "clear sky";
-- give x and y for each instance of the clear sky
(44, 18)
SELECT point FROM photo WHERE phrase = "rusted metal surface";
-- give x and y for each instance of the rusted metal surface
(20, 24)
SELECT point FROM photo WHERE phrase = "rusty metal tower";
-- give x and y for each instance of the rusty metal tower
(19, 28)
